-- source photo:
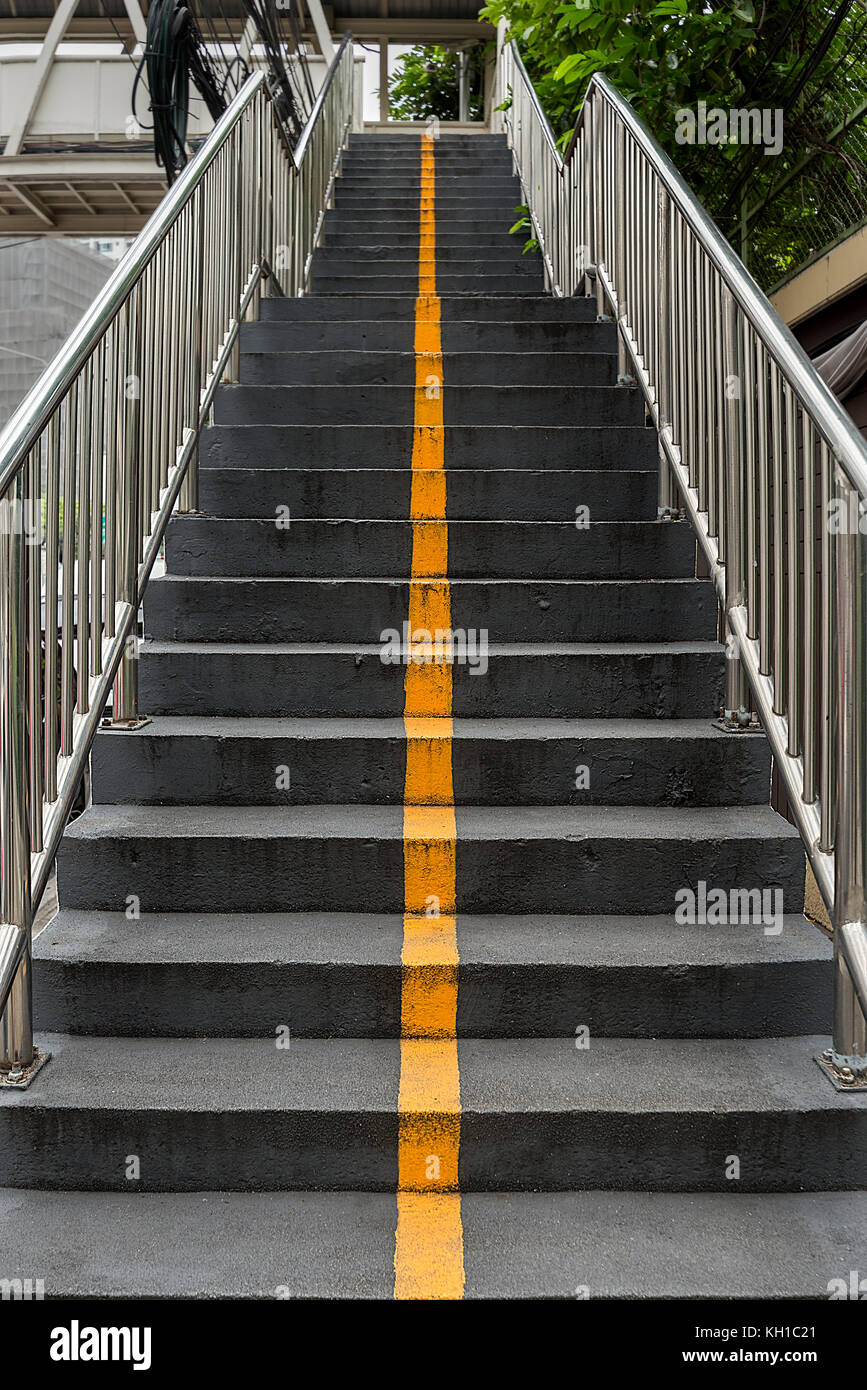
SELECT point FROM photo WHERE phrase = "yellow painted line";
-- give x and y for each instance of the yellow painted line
(429, 1246)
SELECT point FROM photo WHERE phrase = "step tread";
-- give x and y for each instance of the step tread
(628, 1076)
(600, 942)
(479, 823)
(505, 728)
(516, 1245)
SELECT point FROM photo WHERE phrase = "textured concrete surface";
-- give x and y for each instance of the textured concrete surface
(625, 859)
(339, 975)
(185, 761)
(516, 1245)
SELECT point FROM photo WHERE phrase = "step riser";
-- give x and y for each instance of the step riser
(408, 285)
(361, 267)
(192, 769)
(455, 182)
(399, 369)
(465, 447)
(363, 1001)
(535, 308)
(686, 683)
(547, 338)
(449, 244)
(317, 610)
(458, 226)
(199, 546)
(506, 254)
(485, 199)
(393, 405)
(372, 493)
(240, 873)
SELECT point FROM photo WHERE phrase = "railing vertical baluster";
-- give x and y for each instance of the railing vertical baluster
(125, 707)
(826, 653)
(82, 539)
(779, 545)
(16, 1024)
(96, 517)
(808, 631)
(795, 665)
(763, 464)
(35, 688)
(69, 419)
(850, 890)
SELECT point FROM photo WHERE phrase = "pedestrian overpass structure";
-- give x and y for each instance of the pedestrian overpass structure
(76, 161)
(429, 933)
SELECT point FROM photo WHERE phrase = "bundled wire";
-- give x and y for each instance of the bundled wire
(175, 55)
(289, 83)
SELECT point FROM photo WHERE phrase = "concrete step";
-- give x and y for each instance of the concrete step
(465, 447)
(485, 550)
(359, 367)
(393, 336)
(462, 140)
(457, 181)
(242, 1114)
(517, 1245)
(252, 609)
(506, 253)
(518, 307)
(498, 242)
(631, 859)
(348, 267)
(495, 762)
(393, 405)
(575, 680)
(385, 224)
(339, 976)
(488, 200)
(505, 494)
(477, 283)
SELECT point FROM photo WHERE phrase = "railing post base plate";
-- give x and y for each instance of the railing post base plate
(18, 1078)
(124, 726)
(738, 721)
(844, 1073)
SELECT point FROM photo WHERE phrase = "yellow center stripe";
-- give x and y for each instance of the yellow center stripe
(429, 1247)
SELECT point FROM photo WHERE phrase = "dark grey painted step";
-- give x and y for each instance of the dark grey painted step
(498, 242)
(640, 680)
(495, 762)
(509, 859)
(456, 182)
(641, 550)
(504, 255)
(242, 1114)
(393, 405)
(252, 609)
(372, 336)
(519, 307)
(477, 283)
(636, 1245)
(340, 975)
(475, 447)
(489, 273)
(471, 494)
(357, 367)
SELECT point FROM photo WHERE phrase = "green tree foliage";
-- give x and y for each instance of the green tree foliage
(667, 55)
(425, 84)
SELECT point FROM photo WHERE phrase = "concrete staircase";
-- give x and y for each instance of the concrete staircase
(206, 905)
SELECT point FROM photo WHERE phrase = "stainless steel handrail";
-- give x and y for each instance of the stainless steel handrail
(104, 448)
(754, 450)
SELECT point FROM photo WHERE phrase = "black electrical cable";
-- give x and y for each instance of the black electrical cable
(174, 56)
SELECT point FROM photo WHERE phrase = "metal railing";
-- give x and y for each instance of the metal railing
(104, 448)
(758, 455)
